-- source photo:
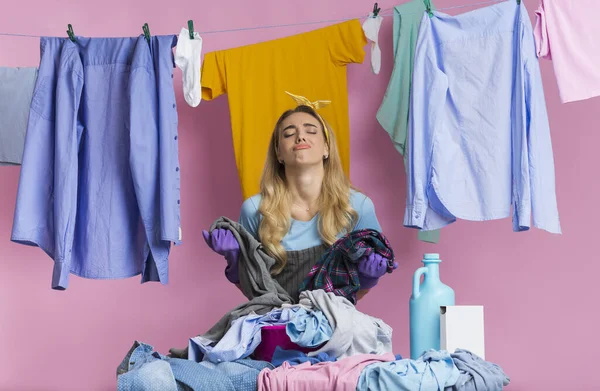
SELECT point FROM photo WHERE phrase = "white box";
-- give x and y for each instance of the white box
(461, 327)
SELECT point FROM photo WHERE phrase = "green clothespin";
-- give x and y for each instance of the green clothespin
(428, 7)
(70, 33)
(191, 28)
(376, 10)
(519, 2)
(146, 31)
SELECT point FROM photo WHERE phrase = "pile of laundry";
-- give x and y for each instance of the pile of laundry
(145, 370)
(339, 348)
(328, 343)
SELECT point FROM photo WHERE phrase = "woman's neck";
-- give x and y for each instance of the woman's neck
(305, 185)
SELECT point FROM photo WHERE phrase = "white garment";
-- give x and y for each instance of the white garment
(371, 28)
(188, 59)
(353, 332)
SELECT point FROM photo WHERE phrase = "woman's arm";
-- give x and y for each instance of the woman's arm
(249, 220)
(371, 267)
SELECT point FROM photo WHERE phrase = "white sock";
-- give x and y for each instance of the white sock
(371, 28)
(188, 59)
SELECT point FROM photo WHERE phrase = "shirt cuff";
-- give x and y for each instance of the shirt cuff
(521, 219)
(414, 216)
(60, 276)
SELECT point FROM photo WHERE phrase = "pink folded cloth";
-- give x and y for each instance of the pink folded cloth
(341, 375)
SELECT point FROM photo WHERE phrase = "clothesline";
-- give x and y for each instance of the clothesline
(388, 10)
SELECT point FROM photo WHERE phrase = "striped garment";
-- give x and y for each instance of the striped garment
(337, 270)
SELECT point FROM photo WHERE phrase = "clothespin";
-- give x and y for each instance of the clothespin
(376, 10)
(519, 2)
(70, 33)
(146, 31)
(428, 7)
(191, 28)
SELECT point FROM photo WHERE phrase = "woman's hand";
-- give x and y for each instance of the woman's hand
(224, 243)
(221, 241)
(370, 268)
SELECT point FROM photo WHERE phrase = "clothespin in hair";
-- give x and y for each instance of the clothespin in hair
(191, 28)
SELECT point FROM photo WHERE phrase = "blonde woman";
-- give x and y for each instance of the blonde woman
(305, 204)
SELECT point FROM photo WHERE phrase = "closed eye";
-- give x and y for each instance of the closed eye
(289, 131)
(311, 128)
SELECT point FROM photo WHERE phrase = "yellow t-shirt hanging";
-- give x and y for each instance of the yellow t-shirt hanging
(255, 78)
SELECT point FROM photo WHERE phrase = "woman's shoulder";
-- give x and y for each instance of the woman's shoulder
(365, 209)
(250, 205)
(250, 216)
(359, 200)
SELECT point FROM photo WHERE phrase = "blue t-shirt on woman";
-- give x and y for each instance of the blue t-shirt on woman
(305, 234)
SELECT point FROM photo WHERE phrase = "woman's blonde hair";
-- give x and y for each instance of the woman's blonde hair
(336, 213)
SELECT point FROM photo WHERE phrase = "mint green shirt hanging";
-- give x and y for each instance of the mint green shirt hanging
(393, 113)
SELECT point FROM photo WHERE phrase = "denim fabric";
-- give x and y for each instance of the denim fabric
(145, 370)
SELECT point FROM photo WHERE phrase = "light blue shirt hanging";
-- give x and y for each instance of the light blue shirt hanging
(479, 139)
(99, 185)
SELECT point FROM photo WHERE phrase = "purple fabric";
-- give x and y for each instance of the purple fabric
(370, 268)
(224, 243)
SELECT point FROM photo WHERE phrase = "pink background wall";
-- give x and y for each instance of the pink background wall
(539, 314)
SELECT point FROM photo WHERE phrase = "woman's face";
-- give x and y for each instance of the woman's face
(301, 141)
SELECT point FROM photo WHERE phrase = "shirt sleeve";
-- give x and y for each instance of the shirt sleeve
(537, 200)
(429, 92)
(250, 217)
(214, 76)
(67, 132)
(367, 219)
(347, 42)
(540, 33)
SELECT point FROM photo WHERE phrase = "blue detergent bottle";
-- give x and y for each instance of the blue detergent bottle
(425, 302)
